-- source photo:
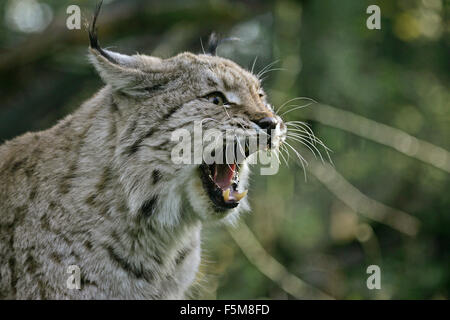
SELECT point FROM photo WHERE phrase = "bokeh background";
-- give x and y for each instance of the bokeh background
(382, 106)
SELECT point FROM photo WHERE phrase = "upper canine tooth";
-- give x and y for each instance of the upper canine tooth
(226, 195)
(239, 196)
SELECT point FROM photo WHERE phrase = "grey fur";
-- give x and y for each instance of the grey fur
(98, 190)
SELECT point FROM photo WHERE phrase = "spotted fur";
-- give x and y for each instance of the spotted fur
(99, 190)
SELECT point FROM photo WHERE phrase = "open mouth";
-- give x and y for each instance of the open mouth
(220, 182)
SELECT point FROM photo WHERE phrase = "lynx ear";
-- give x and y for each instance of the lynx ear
(214, 41)
(118, 70)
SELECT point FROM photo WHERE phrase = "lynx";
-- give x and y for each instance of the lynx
(99, 190)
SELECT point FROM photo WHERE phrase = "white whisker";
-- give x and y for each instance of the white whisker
(296, 108)
(281, 154)
(253, 65)
(302, 129)
(201, 43)
(301, 159)
(307, 144)
(320, 142)
(270, 70)
(283, 147)
(266, 67)
(294, 99)
(301, 124)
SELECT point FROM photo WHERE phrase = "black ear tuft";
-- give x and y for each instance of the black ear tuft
(213, 43)
(93, 36)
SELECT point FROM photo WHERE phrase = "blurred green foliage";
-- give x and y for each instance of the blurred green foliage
(398, 76)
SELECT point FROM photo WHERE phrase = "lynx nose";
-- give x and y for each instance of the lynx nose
(267, 123)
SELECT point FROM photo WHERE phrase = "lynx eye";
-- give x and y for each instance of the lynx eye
(217, 98)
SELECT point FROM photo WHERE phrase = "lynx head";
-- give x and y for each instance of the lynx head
(155, 97)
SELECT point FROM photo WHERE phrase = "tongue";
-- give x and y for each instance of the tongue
(223, 175)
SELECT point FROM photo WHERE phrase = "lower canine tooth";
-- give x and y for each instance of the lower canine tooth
(226, 195)
(239, 196)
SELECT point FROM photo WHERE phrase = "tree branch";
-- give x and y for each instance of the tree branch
(381, 133)
(270, 267)
(360, 203)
